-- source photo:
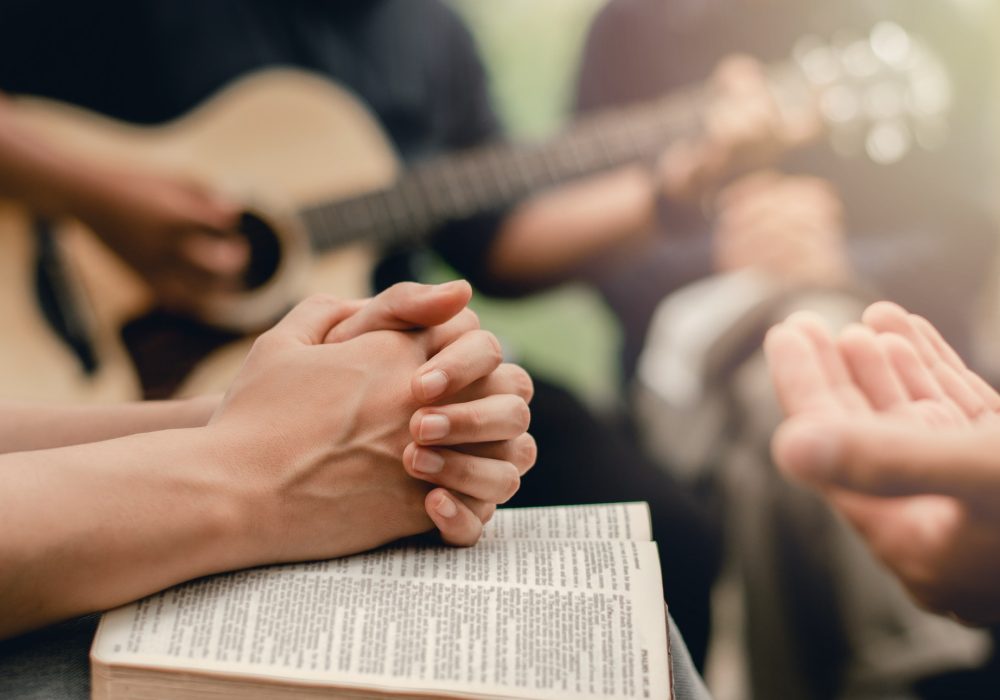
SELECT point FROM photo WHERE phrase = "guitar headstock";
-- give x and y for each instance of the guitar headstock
(881, 96)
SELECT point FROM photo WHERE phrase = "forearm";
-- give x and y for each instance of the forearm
(94, 526)
(40, 426)
(550, 236)
(44, 179)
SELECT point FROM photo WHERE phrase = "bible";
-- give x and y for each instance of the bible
(554, 602)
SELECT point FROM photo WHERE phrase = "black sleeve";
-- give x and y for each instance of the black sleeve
(469, 120)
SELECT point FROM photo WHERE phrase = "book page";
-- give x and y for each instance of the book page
(612, 521)
(529, 619)
(579, 564)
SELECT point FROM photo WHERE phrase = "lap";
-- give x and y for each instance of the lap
(50, 664)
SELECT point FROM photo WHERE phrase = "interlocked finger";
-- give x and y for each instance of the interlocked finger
(460, 524)
(472, 356)
(499, 417)
(522, 451)
(506, 379)
(488, 480)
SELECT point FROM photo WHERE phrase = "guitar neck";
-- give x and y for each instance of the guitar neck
(490, 177)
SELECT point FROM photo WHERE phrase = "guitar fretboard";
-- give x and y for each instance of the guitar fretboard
(490, 177)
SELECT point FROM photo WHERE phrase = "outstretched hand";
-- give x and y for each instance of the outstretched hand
(902, 438)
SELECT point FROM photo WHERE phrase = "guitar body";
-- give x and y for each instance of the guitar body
(283, 140)
(280, 138)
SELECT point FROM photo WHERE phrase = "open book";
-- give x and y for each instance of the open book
(560, 602)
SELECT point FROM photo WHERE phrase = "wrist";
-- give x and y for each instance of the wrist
(249, 515)
(197, 411)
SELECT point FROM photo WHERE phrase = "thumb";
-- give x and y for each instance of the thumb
(311, 320)
(223, 254)
(878, 457)
(405, 306)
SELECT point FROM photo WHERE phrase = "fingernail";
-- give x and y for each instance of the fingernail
(433, 384)
(449, 286)
(446, 507)
(428, 462)
(434, 427)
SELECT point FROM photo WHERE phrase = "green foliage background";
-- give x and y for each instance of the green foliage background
(531, 49)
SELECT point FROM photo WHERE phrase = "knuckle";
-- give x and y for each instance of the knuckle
(469, 318)
(510, 483)
(523, 384)
(402, 290)
(491, 346)
(475, 421)
(320, 300)
(466, 475)
(527, 452)
(264, 342)
(521, 414)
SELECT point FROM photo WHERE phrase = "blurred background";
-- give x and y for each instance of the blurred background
(532, 54)
(692, 171)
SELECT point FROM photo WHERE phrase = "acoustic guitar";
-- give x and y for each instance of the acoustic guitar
(325, 191)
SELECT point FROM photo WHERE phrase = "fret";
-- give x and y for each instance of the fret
(447, 186)
(374, 218)
(428, 184)
(596, 153)
(489, 176)
(410, 193)
(618, 141)
(320, 222)
(469, 175)
(403, 212)
(583, 153)
(352, 217)
(499, 169)
(603, 146)
(566, 161)
(312, 219)
(371, 216)
(525, 170)
(474, 180)
(550, 172)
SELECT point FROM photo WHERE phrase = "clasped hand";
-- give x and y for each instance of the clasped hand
(349, 428)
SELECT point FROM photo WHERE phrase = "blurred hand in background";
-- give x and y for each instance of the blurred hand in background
(791, 227)
(743, 127)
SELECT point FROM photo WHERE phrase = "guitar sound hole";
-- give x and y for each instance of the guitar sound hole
(265, 250)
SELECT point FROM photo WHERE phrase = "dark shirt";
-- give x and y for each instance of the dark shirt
(411, 61)
(920, 230)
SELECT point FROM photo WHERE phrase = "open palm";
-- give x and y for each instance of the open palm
(904, 440)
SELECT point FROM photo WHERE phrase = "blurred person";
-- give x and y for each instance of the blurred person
(735, 248)
(415, 66)
(935, 204)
